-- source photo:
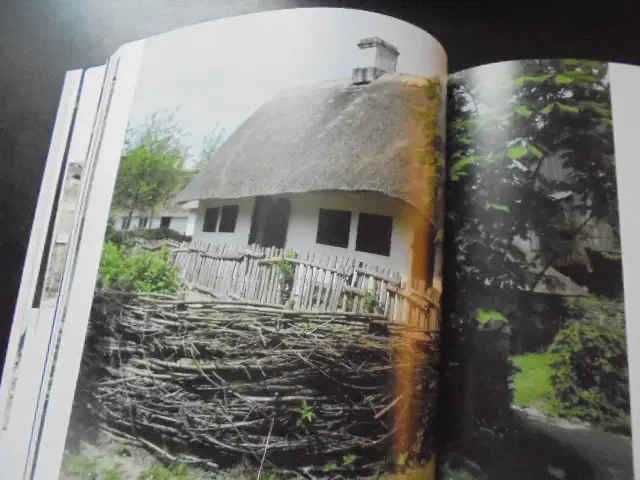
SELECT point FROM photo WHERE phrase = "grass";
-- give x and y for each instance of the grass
(110, 467)
(533, 384)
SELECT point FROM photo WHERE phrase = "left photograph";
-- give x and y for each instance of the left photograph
(268, 298)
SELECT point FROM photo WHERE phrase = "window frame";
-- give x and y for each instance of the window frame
(206, 228)
(324, 221)
(235, 208)
(359, 232)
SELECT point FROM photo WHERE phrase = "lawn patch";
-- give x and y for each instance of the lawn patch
(532, 385)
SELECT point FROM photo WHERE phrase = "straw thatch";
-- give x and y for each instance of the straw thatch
(326, 136)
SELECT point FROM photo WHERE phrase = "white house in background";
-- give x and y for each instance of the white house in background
(329, 168)
(179, 219)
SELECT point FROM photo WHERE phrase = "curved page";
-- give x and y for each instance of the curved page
(535, 374)
(267, 302)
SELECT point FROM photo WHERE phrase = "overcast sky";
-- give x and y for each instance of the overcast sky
(220, 72)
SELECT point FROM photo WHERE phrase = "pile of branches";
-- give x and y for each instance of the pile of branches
(218, 383)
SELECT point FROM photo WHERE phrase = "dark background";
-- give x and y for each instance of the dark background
(41, 39)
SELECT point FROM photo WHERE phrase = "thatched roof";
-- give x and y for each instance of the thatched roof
(326, 136)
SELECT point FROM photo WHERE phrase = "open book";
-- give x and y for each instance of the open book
(294, 245)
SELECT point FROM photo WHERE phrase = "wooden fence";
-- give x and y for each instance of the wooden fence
(306, 282)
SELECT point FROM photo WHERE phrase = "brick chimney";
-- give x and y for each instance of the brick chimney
(376, 58)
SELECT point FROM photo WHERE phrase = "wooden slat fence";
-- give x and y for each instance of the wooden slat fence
(309, 282)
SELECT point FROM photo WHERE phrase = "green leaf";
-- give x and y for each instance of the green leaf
(460, 164)
(329, 467)
(536, 151)
(517, 151)
(546, 110)
(567, 108)
(563, 79)
(486, 316)
(603, 110)
(472, 122)
(581, 76)
(571, 61)
(524, 111)
(349, 459)
(495, 206)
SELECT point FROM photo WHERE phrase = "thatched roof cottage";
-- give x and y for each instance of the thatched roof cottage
(330, 167)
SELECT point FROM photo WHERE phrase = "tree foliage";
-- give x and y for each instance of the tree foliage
(590, 374)
(152, 166)
(529, 154)
(513, 162)
(210, 145)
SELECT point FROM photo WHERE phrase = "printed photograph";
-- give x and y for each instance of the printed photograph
(535, 381)
(268, 299)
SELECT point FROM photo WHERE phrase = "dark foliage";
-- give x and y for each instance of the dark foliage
(152, 234)
(518, 139)
(591, 376)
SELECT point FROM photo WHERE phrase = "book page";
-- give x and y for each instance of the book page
(16, 378)
(535, 377)
(267, 299)
(73, 163)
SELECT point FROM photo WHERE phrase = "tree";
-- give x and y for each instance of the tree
(210, 145)
(557, 117)
(152, 167)
(507, 134)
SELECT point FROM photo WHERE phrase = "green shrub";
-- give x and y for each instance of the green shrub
(590, 374)
(80, 467)
(120, 237)
(158, 472)
(162, 233)
(136, 270)
(117, 237)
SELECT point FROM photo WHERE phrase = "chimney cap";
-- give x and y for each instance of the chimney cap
(369, 42)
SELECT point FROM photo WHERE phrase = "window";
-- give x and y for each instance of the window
(210, 219)
(142, 222)
(228, 218)
(374, 234)
(126, 222)
(165, 222)
(333, 228)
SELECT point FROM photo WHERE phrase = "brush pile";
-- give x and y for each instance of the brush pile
(221, 382)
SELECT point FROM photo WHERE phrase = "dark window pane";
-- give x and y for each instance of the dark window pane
(374, 234)
(165, 222)
(210, 219)
(333, 228)
(228, 218)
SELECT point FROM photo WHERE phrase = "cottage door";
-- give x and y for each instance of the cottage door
(270, 222)
(275, 232)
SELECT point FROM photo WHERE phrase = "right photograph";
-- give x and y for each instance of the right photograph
(535, 379)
